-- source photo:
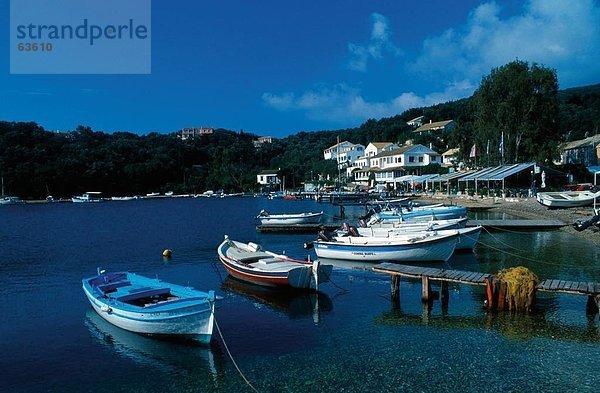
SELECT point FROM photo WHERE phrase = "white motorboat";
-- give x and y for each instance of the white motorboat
(468, 237)
(376, 221)
(411, 247)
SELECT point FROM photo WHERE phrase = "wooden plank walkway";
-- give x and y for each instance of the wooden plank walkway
(460, 276)
(517, 224)
(574, 287)
(590, 289)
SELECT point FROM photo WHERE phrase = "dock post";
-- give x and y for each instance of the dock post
(489, 286)
(395, 284)
(445, 296)
(426, 288)
(593, 302)
(502, 295)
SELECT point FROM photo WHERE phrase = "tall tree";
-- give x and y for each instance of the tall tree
(518, 104)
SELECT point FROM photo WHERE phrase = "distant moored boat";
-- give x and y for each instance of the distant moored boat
(88, 197)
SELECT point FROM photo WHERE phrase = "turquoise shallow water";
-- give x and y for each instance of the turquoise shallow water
(348, 338)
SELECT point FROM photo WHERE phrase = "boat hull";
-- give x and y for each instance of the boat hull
(196, 323)
(440, 249)
(299, 277)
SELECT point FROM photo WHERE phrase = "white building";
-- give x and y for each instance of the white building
(584, 151)
(331, 153)
(267, 177)
(388, 166)
(349, 155)
(371, 150)
(450, 157)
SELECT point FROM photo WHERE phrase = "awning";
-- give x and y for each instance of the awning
(452, 176)
(424, 178)
(509, 171)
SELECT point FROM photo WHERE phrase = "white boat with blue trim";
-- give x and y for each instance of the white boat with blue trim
(151, 306)
(289, 219)
(411, 247)
(467, 240)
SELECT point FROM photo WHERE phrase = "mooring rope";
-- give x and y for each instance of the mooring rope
(500, 241)
(337, 286)
(229, 352)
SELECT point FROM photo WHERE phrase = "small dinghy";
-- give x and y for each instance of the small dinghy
(566, 199)
(249, 262)
(150, 306)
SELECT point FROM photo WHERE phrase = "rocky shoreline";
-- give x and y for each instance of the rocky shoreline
(527, 208)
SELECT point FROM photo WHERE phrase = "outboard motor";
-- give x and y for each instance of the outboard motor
(325, 236)
(308, 246)
(582, 225)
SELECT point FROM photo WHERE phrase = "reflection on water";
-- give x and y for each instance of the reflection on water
(167, 354)
(295, 304)
(514, 326)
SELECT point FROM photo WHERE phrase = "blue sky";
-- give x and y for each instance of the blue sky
(277, 68)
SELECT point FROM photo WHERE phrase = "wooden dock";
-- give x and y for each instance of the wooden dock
(426, 274)
(517, 224)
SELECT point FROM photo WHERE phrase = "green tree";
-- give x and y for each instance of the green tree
(520, 102)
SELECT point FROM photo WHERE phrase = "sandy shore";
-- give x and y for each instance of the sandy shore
(527, 208)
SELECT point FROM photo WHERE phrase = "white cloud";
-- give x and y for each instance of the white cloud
(379, 44)
(555, 33)
(343, 105)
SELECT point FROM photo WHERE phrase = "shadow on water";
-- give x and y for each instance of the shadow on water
(171, 355)
(294, 304)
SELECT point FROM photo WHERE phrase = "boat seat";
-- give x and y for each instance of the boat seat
(143, 294)
(244, 256)
(267, 261)
(108, 288)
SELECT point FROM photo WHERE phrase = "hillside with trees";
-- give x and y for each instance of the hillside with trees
(518, 103)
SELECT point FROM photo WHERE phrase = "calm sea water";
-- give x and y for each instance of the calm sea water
(348, 338)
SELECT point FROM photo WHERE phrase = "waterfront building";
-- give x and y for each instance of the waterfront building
(388, 166)
(584, 151)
